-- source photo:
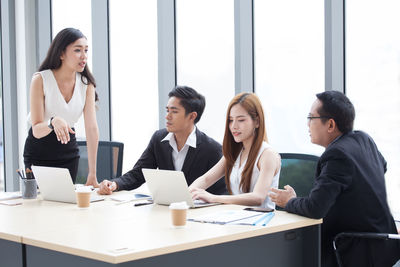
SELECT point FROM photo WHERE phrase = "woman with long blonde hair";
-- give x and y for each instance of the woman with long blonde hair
(251, 167)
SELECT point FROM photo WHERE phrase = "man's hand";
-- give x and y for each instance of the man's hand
(281, 197)
(107, 187)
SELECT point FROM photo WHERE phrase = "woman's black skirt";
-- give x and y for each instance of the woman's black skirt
(47, 151)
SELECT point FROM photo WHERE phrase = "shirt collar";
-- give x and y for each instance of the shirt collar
(190, 141)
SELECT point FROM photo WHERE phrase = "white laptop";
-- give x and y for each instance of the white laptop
(55, 184)
(167, 187)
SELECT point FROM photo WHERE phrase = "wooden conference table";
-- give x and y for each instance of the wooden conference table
(43, 233)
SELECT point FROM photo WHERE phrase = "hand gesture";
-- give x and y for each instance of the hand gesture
(92, 180)
(107, 187)
(282, 196)
(61, 129)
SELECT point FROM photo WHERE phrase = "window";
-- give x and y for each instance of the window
(74, 14)
(205, 57)
(373, 74)
(289, 68)
(1, 127)
(134, 75)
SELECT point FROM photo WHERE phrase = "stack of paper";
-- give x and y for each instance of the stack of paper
(124, 198)
(242, 217)
(10, 198)
(9, 195)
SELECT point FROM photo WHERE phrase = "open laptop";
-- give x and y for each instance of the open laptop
(167, 187)
(55, 184)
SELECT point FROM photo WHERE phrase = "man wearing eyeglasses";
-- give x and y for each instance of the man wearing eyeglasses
(349, 190)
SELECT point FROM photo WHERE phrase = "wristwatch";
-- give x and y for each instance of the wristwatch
(49, 124)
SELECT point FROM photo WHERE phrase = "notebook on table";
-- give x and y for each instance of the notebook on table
(55, 184)
(168, 186)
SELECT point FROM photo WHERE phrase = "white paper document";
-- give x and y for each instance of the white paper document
(242, 217)
(10, 195)
(123, 198)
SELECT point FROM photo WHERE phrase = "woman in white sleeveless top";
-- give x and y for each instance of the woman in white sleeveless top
(60, 92)
(251, 167)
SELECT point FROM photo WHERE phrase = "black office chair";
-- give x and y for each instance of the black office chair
(340, 246)
(298, 171)
(109, 161)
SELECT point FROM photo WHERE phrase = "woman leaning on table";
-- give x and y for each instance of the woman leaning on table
(250, 165)
(60, 92)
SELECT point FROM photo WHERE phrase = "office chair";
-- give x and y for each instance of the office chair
(109, 161)
(298, 171)
(360, 235)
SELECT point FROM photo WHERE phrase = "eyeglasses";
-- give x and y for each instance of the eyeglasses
(317, 117)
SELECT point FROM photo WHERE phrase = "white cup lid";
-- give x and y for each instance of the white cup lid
(179, 205)
(83, 189)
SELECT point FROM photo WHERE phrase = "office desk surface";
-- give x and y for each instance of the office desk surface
(119, 233)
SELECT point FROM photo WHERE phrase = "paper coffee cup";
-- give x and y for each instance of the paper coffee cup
(83, 194)
(178, 214)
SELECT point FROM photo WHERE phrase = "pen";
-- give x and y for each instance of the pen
(29, 173)
(143, 203)
(110, 186)
(260, 219)
(268, 218)
(20, 175)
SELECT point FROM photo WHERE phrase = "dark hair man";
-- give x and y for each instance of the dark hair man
(349, 190)
(180, 146)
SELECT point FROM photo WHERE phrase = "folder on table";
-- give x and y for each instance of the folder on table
(241, 217)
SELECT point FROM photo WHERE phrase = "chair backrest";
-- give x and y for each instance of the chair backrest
(109, 161)
(298, 171)
(367, 249)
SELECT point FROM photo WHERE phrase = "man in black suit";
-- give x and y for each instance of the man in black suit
(349, 190)
(180, 146)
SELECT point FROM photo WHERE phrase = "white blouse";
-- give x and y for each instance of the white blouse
(54, 102)
(236, 175)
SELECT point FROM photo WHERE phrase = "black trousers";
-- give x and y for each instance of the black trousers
(47, 151)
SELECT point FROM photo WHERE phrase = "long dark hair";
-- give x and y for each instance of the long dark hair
(58, 46)
(230, 149)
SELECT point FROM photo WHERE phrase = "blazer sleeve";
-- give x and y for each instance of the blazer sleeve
(134, 178)
(335, 177)
(384, 163)
(215, 155)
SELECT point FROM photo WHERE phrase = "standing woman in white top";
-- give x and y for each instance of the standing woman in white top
(60, 92)
(249, 164)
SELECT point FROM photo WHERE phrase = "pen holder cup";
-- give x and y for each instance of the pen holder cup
(28, 188)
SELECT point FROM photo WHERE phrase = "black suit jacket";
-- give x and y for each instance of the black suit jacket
(159, 155)
(349, 194)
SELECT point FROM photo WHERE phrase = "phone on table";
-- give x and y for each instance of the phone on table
(259, 209)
